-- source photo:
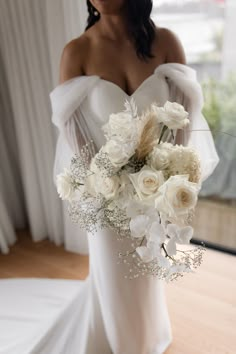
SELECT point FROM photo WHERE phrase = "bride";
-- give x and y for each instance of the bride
(121, 55)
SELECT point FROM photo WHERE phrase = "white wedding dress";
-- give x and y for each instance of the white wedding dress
(109, 314)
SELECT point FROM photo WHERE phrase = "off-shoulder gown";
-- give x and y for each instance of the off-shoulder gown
(111, 314)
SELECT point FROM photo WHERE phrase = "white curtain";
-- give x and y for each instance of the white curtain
(32, 36)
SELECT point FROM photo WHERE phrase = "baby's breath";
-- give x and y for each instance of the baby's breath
(104, 164)
(80, 163)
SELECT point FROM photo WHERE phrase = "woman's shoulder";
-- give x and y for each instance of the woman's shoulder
(73, 56)
(171, 45)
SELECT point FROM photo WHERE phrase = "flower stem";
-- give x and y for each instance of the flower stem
(139, 245)
(164, 128)
(163, 246)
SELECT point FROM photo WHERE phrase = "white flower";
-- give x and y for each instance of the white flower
(97, 183)
(147, 182)
(124, 181)
(93, 166)
(156, 233)
(175, 160)
(181, 235)
(126, 191)
(184, 160)
(172, 114)
(177, 268)
(163, 261)
(118, 152)
(121, 125)
(159, 158)
(90, 181)
(64, 185)
(177, 196)
(139, 226)
(151, 252)
(135, 208)
(147, 254)
(107, 186)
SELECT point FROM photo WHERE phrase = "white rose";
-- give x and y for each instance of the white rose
(177, 196)
(118, 152)
(159, 158)
(64, 185)
(172, 114)
(121, 125)
(147, 182)
(107, 186)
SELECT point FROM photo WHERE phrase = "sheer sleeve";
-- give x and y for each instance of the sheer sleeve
(186, 90)
(67, 116)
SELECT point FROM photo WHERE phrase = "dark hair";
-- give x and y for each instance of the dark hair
(140, 26)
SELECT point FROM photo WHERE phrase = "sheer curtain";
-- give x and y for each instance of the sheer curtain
(32, 36)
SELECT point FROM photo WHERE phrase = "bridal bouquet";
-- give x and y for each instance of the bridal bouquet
(141, 185)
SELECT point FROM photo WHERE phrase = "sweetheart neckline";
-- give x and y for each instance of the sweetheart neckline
(124, 92)
(156, 70)
(78, 77)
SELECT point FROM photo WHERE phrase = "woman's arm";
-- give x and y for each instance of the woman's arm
(173, 48)
(174, 54)
(72, 59)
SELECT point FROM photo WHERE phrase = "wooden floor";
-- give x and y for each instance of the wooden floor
(202, 306)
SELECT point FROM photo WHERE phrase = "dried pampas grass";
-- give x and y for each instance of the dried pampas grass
(150, 133)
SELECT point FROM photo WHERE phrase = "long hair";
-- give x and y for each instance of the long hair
(141, 28)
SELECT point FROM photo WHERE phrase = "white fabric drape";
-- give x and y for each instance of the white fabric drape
(32, 36)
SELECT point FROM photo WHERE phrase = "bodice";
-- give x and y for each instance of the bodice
(106, 97)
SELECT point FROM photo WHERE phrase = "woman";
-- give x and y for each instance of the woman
(121, 55)
(121, 44)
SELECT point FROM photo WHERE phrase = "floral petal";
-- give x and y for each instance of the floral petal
(156, 233)
(163, 261)
(145, 253)
(185, 234)
(171, 247)
(138, 225)
(172, 230)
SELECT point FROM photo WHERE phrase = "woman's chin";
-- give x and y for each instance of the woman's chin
(108, 6)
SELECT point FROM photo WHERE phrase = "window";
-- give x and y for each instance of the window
(206, 29)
